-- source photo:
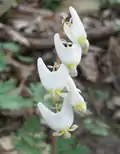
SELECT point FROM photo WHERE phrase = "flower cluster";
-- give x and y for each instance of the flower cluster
(59, 83)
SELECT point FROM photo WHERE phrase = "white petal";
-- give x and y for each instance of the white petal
(73, 72)
(68, 32)
(47, 96)
(63, 94)
(67, 135)
(81, 107)
(42, 121)
(60, 120)
(77, 22)
(71, 84)
(76, 98)
(52, 80)
(85, 46)
(68, 55)
(46, 114)
(57, 133)
(67, 87)
(56, 79)
(74, 127)
(42, 69)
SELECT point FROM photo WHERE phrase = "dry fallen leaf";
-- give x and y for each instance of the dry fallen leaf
(89, 67)
(14, 35)
(22, 71)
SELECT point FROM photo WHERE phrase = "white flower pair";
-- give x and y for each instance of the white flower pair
(62, 121)
(55, 82)
(70, 53)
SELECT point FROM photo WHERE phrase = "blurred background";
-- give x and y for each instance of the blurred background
(27, 28)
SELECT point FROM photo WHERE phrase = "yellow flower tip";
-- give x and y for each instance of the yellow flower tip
(62, 132)
(66, 133)
(69, 129)
(70, 66)
(80, 106)
(81, 40)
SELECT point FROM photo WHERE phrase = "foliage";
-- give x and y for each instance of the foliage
(15, 49)
(108, 3)
(98, 94)
(37, 93)
(3, 63)
(24, 59)
(96, 127)
(29, 139)
(70, 146)
(51, 4)
(9, 99)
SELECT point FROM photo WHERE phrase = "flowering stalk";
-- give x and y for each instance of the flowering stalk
(60, 79)
(53, 144)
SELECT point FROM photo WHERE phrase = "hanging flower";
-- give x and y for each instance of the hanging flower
(69, 54)
(54, 81)
(62, 121)
(76, 99)
(75, 31)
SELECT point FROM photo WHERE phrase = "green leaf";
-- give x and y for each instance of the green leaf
(96, 127)
(27, 140)
(25, 148)
(81, 149)
(37, 91)
(101, 94)
(7, 86)
(25, 59)
(32, 124)
(99, 131)
(12, 101)
(27, 137)
(3, 63)
(13, 47)
(70, 146)
(51, 4)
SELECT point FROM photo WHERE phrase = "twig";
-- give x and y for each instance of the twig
(53, 145)
(103, 33)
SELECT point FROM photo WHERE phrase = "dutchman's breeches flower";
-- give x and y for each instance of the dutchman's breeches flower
(54, 82)
(77, 100)
(62, 121)
(69, 54)
(75, 31)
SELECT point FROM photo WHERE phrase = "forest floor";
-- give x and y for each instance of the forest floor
(98, 73)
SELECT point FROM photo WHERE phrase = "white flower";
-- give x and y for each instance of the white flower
(70, 55)
(62, 121)
(75, 30)
(76, 99)
(54, 81)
